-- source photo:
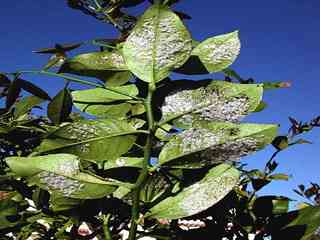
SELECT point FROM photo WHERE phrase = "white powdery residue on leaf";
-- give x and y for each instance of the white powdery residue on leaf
(173, 46)
(218, 53)
(120, 162)
(63, 185)
(196, 139)
(229, 151)
(178, 103)
(207, 104)
(141, 38)
(201, 196)
(81, 131)
(69, 167)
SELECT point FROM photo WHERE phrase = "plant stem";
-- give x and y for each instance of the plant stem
(105, 226)
(145, 168)
(77, 80)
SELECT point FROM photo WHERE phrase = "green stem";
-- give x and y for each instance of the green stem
(145, 168)
(77, 80)
(105, 226)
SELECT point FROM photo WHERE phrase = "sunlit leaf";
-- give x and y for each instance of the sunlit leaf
(158, 44)
(60, 173)
(219, 101)
(217, 183)
(217, 53)
(123, 162)
(92, 139)
(209, 142)
(96, 64)
(104, 103)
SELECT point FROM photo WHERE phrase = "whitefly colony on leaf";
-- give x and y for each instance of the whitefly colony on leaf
(63, 185)
(207, 104)
(204, 193)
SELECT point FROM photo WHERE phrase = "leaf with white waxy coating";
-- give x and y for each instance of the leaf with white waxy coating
(217, 183)
(91, 139)
(208, 143)
(219, 52)
(218, 101)
(123, 162)
(106, 66)
(105, 103)
(158, 44)
(93, 63)
(60, 173)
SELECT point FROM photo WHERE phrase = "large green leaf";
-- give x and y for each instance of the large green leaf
(219, 101)
(60, 173)
(207, 143)
(60, 107)
(99, 101)
(199, 196)
(92, 140)
(217, 53)
(158, 44)
(297, 225)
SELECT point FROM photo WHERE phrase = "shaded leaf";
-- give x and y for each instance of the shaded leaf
(158, 44)
(266, 206)
(33, 89)
(26, 104)
(13, 93)
(217, 183)
(210, 142)
(297, 225)
(280, 142)
(58, 48)
(279, 176)
(217, 53)
(274, 85)
(60, 107)
(4, 80)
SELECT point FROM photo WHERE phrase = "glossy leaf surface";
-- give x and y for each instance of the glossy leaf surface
(158, 44)
(217, 183)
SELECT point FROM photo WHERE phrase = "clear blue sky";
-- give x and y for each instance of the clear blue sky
(280, 41)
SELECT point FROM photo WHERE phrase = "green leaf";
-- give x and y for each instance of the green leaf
(218, 53)
(217, 183)
(274, 85)
(60, 107)
(279, 176)
(8, 209)
(117, 78)
(298, 225)
(26, 104)
(99, 101)
(102, 65)
(208, 143)
(60, 173)
(123, 162)
(61, 203)
(158, 44)
(219, 101)
(92, 140)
